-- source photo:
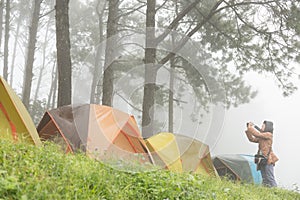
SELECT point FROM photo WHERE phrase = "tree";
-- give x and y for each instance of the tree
(151, 66)
(110, 50)
(28, 75)
(96, 83)
(150, 71)
(19, 21)
(227, 27)
(45, 44)
(6, 39)
(53, 88)
(171, 81)
(63, 53)
(22, 14)
(1, 20)
(86, 34)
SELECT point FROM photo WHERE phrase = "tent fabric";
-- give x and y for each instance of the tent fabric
(237, 167)
(195, 156)
(7, 128)
(181, 153)
(257, 178)
(164, 150)
(15, 121)
(100, 131)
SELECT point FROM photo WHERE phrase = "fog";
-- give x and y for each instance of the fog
(268, 105)
(225, 132)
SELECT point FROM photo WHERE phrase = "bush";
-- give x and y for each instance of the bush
(30, 172)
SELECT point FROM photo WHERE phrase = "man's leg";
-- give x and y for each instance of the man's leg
(269, 176)
(263, 174)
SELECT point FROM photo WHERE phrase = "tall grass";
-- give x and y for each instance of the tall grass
(30, 172)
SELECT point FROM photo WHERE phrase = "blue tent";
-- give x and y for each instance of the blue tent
(237, 167)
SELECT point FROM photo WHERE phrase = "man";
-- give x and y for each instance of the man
(264, 138)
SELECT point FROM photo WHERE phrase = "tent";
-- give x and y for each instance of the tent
(100, 131)
(195, 156)
(164, 150)
(15, 121)
(238, 167)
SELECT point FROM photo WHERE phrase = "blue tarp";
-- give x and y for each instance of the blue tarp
(256, 174)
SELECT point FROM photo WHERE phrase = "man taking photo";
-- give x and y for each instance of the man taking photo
(265, 157)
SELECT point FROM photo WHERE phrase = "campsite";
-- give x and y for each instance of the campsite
(74, 137)
(153, 99)
(54, 169)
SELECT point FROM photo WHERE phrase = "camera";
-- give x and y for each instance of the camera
(256, 127)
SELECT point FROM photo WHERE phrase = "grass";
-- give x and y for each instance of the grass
(30, 172)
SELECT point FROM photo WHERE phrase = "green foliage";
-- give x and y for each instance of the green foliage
(30, 172)
(251, 36)
(37, 110)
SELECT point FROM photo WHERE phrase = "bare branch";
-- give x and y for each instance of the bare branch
(249, 25)
(162, 5)
(134, 107)
(217, 28)
(190, 34)
(244, 4)
(47, 13)
(131, 11)
(175, 22)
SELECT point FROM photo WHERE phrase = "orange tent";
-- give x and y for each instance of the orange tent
(100, 131)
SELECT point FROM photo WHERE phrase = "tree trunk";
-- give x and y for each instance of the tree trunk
(63, 53)
(1, 20)
(171, 94)
(30, 53)
(150, 56)
(171, 82)
(96, 87)
(150, 72)
(150, 66)
(44, 60)
(108, 75)
(53, 86)
(6, 39)
(15, 49)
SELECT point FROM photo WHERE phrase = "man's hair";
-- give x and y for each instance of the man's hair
(268, 126)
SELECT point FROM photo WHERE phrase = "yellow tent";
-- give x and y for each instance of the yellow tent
(165, 152)
(195, 156)
(15, 121)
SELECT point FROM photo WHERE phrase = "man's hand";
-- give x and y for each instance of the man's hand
(250, 124)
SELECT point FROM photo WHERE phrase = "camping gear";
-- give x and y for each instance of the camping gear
(260, 159)
(15, 121)
(195, 156)
(164, 150)
(237, 167)
(100, 131)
